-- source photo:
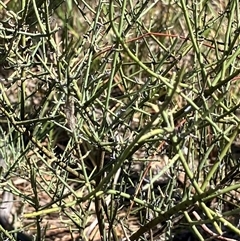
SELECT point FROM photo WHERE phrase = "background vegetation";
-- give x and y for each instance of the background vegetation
(119, 118)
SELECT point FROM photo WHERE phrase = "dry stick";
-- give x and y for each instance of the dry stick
(209, 231)
(124, 231)
(138, 188)
(98, 200)
(107, 48)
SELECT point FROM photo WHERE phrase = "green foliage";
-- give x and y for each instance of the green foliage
(121, 109)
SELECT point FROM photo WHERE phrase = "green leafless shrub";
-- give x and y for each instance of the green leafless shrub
(118, 118)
